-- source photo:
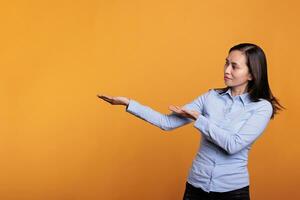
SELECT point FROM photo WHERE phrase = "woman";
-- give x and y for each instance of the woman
(230, 120)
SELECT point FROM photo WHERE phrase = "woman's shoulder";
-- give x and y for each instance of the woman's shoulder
(262, 106)
(264, 103)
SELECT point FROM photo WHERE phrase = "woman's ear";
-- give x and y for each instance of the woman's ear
(250, 77)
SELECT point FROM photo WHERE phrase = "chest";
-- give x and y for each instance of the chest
(230, 114)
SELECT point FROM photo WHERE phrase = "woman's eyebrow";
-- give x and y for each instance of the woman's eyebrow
(232, 62)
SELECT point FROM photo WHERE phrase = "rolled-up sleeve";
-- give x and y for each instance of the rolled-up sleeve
(246, 135)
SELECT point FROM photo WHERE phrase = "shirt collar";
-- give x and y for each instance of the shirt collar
(245, 97)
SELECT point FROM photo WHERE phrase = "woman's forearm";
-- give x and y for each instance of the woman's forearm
(163, 121)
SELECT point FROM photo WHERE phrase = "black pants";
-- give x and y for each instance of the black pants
(193, 193)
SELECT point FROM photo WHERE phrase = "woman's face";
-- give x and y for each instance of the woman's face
(236, 72)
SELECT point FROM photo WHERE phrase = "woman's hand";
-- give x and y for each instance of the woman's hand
(115, 100)
(184, 112)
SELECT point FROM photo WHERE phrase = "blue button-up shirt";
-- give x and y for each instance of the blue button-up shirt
(229, 126)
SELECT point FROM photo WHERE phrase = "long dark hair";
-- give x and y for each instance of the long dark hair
(258, 87)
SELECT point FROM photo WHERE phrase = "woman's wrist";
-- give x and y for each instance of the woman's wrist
(127, 102)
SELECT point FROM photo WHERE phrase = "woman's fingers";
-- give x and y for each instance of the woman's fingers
(175, 109)
(106, 98)
(115, 100)
(184, 112)
(179, 109)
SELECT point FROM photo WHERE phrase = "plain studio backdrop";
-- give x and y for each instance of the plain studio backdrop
(59, 141)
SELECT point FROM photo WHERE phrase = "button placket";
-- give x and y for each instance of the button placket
(228, 109)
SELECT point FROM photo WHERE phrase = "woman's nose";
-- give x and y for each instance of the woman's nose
(227, 69)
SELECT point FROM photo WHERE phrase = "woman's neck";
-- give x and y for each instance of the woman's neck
(238, 91)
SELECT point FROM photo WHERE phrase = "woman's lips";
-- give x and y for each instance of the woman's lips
(226, 78)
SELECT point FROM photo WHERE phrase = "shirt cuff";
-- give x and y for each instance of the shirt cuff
(202, 123)
(133, 107)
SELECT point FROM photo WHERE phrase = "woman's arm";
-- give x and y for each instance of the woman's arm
(248, 133)
(165, 122)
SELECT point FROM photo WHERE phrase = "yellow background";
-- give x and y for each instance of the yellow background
(59, 141)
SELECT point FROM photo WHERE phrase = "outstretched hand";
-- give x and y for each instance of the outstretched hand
(185, 112)
(115, 100)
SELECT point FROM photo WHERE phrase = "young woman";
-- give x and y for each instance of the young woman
(230, 120)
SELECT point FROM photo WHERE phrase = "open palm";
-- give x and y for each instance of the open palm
(184, 112)
(114, 100)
